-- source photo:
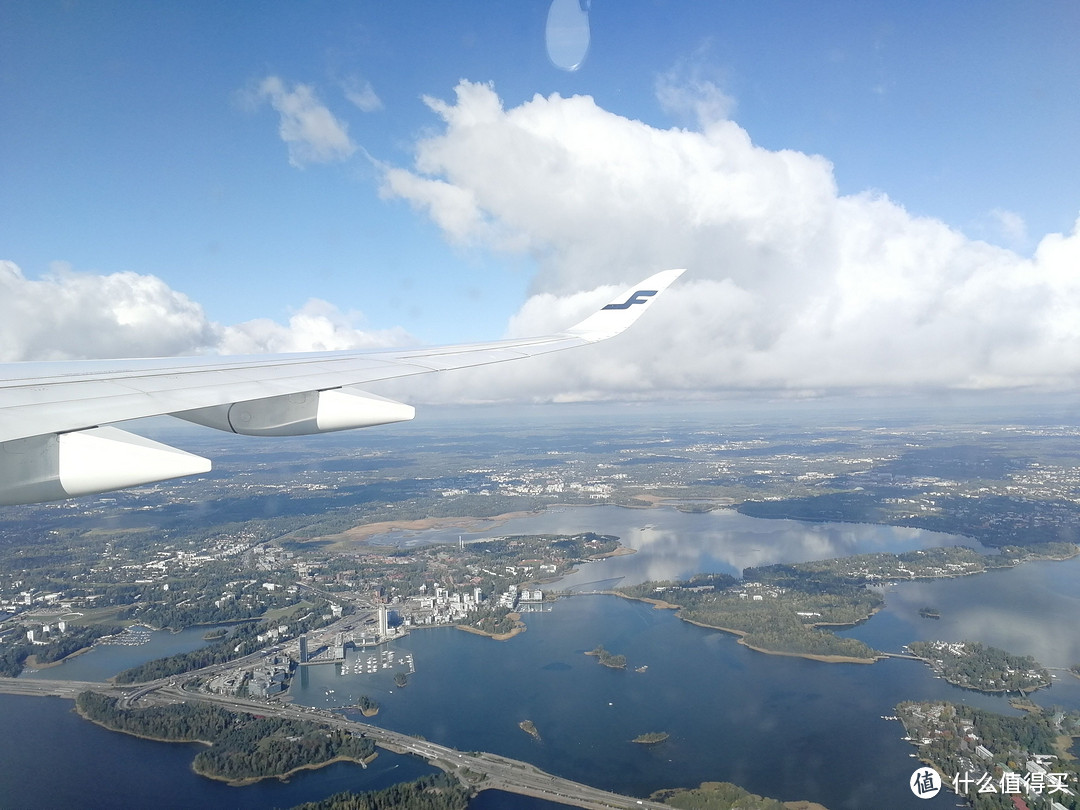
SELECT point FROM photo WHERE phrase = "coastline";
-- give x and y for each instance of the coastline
(79, 712)
(31, 661)
(519, 627)
(251, 780)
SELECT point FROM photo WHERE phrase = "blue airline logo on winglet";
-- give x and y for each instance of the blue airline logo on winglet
(636, 298)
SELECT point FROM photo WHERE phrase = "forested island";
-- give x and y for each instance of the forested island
(367, 706)
(608, 659)
(978, 666)
(242, 748)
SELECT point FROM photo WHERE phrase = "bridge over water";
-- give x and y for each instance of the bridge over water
(478, 770)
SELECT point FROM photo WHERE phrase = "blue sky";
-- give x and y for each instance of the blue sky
(147, 139)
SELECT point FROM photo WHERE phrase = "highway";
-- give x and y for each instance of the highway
(479, 770)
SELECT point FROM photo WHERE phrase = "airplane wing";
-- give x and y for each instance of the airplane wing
(54, 436)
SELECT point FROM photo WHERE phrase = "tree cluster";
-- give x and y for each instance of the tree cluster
(437, 792)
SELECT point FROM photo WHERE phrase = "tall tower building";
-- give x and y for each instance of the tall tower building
(384, 622)
(303, 649)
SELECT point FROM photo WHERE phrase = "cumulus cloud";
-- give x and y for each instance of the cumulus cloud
(69, 316)
(317, 326)
(310, 130)
(791, 286)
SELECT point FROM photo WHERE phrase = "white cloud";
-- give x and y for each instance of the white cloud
(362, 94)
(310, 130)
(684, 92)
(317, 326)
(790, 286)
(69, 315)
(1010, 225)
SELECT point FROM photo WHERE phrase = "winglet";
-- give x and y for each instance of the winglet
(625, 309)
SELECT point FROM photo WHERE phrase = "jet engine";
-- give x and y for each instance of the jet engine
(84, 462)
(301, 414)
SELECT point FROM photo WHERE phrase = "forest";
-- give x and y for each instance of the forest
(437, 792)
(716, 796)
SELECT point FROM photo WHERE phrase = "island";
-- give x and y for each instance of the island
(242, 748)
(929, 613)
(972, 665)
(529, 727)
(651, 738)
(607, 659)
(401, 680)
(367, 706)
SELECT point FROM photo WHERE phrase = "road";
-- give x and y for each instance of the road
(478, 770)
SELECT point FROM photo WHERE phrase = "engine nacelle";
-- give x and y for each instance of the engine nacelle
(83, 462)
(302, 414)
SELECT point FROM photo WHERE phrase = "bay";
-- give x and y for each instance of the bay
(671, 544)
(104, 660)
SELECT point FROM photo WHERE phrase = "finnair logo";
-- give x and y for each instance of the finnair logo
(640, 297)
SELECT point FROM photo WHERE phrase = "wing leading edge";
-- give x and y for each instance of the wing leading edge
(50, 413)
